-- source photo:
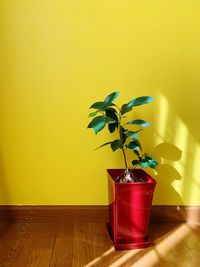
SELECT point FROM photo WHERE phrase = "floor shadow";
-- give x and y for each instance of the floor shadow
(158, 230)
(113, 258)
(145, 257)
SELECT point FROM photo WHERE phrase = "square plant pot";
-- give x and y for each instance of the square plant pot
(130, 210)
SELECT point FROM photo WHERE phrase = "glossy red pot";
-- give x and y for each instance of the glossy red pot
(130, 209)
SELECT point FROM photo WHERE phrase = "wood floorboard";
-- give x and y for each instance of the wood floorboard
(28, 246)
(43, 248)
(62, 253)
(87, 244)
(12, 241)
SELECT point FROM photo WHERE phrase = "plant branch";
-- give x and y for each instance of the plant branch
(124, 155)
(120, 134)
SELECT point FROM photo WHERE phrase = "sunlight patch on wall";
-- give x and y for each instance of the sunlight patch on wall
(181, 137)
(181, 141)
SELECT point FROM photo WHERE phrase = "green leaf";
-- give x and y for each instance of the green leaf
(112, 105)
(134, 145)
(139, 122)
(152, 162)
(147, 157)
(103, 145)
(111, 109)
(148, 161)
(110, 98)
(144, 163)
(102, 105)
(98, 105)
(135, 162)
(153, 166)
(111, 112)
(125, 109)
(132, 134)
(98, 123)
(136, 153)
(116, 145)
(111, 116)
(110, 120)
(93, 114)
(136, 102)
(112, 127)
(140, 101)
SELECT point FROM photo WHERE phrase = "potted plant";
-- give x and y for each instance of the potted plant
(130, 189)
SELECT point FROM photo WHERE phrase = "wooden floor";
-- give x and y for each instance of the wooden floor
(87, 244)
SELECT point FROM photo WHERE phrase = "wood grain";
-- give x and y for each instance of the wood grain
(42, 249)
(63, 249)
(87, 244)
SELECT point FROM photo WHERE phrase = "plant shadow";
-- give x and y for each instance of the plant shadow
(167, 174)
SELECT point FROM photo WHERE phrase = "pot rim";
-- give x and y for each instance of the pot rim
(151, 180)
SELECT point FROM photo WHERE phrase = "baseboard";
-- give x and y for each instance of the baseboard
(91, 213)
(53, 213)
(175, 213)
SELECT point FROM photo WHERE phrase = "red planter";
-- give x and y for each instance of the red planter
(129, 210)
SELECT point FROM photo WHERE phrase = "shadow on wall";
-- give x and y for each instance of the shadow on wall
(166, 173)
(179, 156)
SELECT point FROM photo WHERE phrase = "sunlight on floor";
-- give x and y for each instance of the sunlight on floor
(95, 261)
(154, 255)
(159, 251)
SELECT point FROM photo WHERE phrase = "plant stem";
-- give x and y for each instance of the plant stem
(120, 134)
(125, 160)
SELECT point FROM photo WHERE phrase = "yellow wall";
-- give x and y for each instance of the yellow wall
(59, 56)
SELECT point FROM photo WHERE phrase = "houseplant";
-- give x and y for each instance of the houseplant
(130, 189)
